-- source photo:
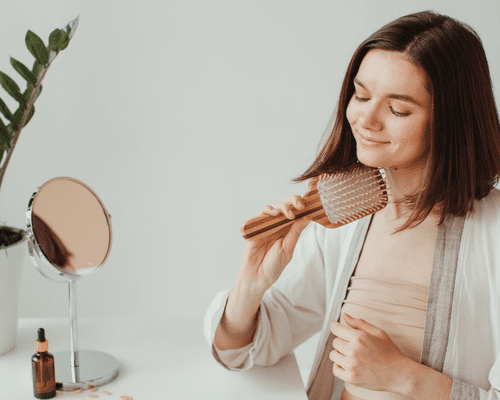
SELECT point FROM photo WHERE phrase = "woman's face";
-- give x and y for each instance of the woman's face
(390, 112)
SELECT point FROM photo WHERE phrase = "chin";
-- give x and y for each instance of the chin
(371, 160)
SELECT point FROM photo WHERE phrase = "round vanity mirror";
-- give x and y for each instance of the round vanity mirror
(69, 237)
(69, 229)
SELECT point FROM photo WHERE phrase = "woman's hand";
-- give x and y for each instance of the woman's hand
(265, 259)
(263, 262)
(365, 356)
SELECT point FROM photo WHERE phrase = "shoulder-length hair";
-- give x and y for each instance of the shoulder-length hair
(464, 156)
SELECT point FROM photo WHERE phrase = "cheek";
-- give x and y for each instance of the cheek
(414, 138)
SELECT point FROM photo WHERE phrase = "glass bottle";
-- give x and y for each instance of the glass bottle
(44, 378)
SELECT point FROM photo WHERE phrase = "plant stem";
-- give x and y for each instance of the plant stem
(26, 112)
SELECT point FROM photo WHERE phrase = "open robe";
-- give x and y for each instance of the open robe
(462, 323)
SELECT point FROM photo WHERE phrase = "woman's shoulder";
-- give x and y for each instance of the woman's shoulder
(488, 206)
(492, 197)
(486, 213)
(480, 252)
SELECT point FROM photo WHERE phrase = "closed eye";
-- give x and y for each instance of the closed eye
(396, 113)
(362, 99)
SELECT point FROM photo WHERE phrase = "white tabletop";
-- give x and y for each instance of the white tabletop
(158, 360)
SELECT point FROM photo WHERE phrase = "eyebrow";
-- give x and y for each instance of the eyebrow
(402, 97)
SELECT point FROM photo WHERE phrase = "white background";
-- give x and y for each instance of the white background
(186, 117)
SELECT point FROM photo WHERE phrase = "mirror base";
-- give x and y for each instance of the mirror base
(95, 368)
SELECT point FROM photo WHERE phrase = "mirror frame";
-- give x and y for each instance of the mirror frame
(44, 266)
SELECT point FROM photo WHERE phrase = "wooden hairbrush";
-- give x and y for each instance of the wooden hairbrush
(331, 200)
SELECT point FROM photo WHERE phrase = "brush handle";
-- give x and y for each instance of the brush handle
(264, 225)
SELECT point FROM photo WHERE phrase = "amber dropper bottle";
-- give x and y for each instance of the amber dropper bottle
(44, 377)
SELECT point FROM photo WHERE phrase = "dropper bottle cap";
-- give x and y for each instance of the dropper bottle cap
(41, 344)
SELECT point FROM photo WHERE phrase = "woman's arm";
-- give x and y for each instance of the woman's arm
(425, 383)
(289, 312)
(239, 322)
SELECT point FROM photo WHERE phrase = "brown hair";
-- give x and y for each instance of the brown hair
(464, 157)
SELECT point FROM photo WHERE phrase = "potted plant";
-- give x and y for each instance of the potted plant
(12, 240)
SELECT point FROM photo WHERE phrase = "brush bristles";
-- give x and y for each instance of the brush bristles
(349, 195)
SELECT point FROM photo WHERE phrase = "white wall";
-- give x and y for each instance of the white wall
(186, 117)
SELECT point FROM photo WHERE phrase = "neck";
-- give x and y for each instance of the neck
(401, 182)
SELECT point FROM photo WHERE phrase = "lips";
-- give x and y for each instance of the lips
(370, 140)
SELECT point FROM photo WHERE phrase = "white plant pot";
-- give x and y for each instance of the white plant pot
(11, 264)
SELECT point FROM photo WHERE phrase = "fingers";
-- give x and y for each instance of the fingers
(341, 345)
(292, 237)
(344, 332)
(288, 207)
(361, 324)
(339, 372)
(339, 360)
(296, 201)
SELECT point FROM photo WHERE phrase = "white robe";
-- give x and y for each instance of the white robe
(462, 326)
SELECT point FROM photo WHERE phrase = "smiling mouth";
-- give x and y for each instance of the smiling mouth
(370, 140)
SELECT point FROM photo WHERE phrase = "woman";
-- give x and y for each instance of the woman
(407, 300)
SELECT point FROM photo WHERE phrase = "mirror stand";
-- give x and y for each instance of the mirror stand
(77, 369)
(74, 368)
(69, 237)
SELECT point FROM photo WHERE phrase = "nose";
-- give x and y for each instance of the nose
(369, 118)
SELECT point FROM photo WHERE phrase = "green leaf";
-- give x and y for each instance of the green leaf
(32, 111)
(11, 88)
(37, 94)
(11, 130)
(23, 71)
(5, 138)
(67, 34)
(56, 39)
(37, 48)
(37, 69)
(65, 42)
(4, 133)
(52, 55)
(18, 115)
(70, 29)
(5, 111)
(29, 92)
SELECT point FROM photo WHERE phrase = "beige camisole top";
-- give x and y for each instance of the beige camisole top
(396, 307)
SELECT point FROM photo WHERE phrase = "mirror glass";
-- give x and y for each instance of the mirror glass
(68, 228)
